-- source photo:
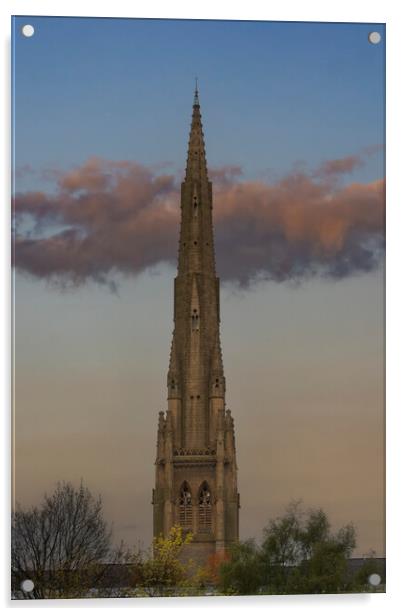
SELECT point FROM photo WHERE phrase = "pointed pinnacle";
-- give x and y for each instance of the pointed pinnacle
(196, 99)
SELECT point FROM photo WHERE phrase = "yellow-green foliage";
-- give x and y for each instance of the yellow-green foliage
(164, 574)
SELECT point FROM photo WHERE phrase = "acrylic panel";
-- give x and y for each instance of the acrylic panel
(198, 297)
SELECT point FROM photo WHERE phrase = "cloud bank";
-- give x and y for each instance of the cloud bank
(108, 217)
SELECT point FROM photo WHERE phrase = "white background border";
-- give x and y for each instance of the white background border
(387, 11)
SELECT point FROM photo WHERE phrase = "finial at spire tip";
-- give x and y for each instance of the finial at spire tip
(196, 99)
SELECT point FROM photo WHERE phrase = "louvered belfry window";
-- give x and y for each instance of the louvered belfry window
(185, 507)
(204, 509)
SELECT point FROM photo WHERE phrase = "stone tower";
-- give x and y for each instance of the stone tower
(196, 473)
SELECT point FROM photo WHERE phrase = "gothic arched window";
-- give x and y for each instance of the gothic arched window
(204, 508)
(185, 507)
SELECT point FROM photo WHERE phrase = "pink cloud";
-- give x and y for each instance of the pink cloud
(119, 216)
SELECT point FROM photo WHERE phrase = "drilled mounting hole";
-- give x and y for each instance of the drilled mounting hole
(28, 30)
(374, 579)
(374, 38)
(27, 585)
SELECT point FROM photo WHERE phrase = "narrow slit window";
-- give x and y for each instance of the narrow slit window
(195, 321)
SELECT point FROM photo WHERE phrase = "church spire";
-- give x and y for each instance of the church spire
(195, 431)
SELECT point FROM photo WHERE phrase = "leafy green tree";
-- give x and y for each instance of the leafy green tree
(299, 554)
(240, 574)
(325, 570)
(282, 550)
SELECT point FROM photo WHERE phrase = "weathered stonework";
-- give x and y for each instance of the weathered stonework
(196, 473)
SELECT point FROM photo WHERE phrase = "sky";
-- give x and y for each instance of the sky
(293, 117)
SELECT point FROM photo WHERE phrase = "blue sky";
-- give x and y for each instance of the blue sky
(272, 94)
